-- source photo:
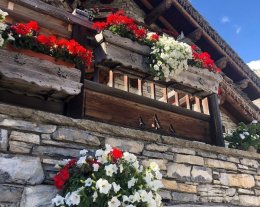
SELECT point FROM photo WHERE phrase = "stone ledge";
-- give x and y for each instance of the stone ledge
(59, 120)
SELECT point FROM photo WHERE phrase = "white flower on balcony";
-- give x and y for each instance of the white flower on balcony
(103, 185)
(58, 200)
(116, 187)
(114, 202)
(131, 183)
(111, 169)
(88, 182)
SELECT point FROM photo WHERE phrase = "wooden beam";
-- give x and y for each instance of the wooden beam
(158, 11)
(216, 124)
(177, 102)
(168, 25)
(222, 62)
(195, 35)
(243, 83)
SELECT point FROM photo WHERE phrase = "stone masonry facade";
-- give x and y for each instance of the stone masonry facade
(194, 174)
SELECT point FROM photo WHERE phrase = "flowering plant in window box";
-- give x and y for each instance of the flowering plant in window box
(110, 179)
(245, 136)
(25, 38)
(3, 27)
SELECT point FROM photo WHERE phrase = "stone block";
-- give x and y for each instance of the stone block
(20, 169)
(3, 140)
(190, 159)
(157, 147)
(76, 136)
(237, 180)
(220, 164)
(28, 126)
(247, 200)
(162, 163)
(158, 155)
(25, 137)
(55, 151)
(184, 197)
(20, 147)
(201, 174)
(207, 154)
(169, 184)
(250, 163)
(38, 196)
(245, 191)
(166, 195)
(10, 194)
(179, 171)
(126, 145)
(183, 150)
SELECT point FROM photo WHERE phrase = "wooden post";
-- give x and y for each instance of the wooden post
(165, 94)
(205, 106)
(215, 120)
(187, 98)
(152, 90)
(75, 107)
(140, 87)
(111, 79)
(197, 105)
(176, 95)
(126, 83)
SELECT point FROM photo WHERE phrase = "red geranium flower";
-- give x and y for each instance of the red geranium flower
(70, 163)
(58, 182)
(116, 153)
(43, 39)
(33, 25)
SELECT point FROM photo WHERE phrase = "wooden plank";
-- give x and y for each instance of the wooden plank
(216, 124)
(205, 106)
(177, 102)
(125, 112)
(126, 83)
(165, 95)
(140, 87)
(152, 86)
(197, 106)
(143, 100)
(157, 11)
(41, 7)
(49, 24)
(111, 79)
(187, 99)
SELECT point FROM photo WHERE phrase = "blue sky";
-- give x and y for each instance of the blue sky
(237, 22)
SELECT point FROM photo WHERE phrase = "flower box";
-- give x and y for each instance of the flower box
(29, 75)
(202, 81)
(114, 50)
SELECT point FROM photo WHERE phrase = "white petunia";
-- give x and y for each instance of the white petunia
(114, 202)
(95, 195)
(58, 200)
(95, 167)
(242, 136)
(246, 133)
(74, 198)
(254, 122)
(83, 152)
(116, 187)
(131, 183)
(103, 185)
(81, 161)
(110, 169)
(88, 182)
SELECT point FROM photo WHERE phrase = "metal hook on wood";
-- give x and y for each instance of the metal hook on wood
(141, 122)
(156, 123)
(172, 130)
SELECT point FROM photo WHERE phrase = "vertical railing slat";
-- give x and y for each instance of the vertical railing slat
(126, 83)
(140, 87)
(111, 79)
(205, 106)
(152, 85)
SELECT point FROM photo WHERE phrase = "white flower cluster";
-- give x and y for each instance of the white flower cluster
(169, 57)
(100, 187)
(2, 26)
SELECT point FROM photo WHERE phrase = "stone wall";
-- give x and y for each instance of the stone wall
(228, 123)
(32, 142)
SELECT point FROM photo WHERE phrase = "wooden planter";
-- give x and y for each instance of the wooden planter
(28, 75)
(198, 81)
(114, 50)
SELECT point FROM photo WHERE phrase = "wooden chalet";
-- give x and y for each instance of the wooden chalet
(117, 89)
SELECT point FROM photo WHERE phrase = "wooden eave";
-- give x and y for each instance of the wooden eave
(210, 39)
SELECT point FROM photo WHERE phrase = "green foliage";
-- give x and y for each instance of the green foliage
(245, 136)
